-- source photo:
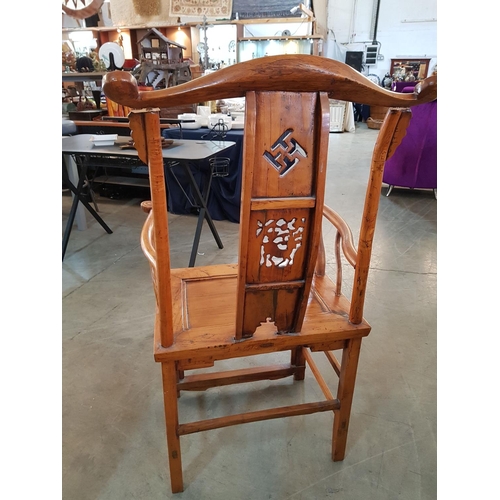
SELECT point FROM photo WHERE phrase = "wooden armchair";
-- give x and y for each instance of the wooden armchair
(277, 297)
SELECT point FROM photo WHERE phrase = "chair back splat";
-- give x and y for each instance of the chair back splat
(278, 296)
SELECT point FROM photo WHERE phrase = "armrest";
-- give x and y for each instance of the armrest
(343, 239)
(148, 246)
(345, 233)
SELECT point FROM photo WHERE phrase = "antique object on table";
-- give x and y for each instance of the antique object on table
(401, 69)
(84, 64)
(202, 47)
(387, 81)
(112, 55)
(162, 61)
(278, 296)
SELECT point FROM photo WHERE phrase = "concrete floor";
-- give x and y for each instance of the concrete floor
(113, 423)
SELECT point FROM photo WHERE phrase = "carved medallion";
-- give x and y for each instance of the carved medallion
(285, 153)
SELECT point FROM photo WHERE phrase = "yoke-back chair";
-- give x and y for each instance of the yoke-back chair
(277, 297)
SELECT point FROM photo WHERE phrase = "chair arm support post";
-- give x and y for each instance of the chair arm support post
(158, 233)
(344, 230)
(320, 268)
(338, 260)
(149, 250)
(391, 134)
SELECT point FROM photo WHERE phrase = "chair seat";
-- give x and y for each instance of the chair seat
(204, 318)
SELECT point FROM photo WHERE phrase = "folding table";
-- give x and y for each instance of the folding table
(185, 152)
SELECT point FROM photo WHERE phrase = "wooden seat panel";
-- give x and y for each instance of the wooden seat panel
(205, 328)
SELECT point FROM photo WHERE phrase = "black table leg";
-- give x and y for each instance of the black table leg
(77, 191)
(204, 214)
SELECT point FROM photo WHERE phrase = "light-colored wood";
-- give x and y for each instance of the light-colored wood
(277, 203)
(145, 128)
(256, 416)
(345, 392)
(298, 360)
(391, 134)
(204, 381)
(283, 73)
(333, 361)
(317, 374)
(345, 233)
(249, 146)
(320, 268)
(326, 318)
(281, 240)
(262, 304)
(169, 376)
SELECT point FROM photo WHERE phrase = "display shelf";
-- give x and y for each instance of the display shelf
(254, 47)
(193, 24)
(290, 37)
(121, 180)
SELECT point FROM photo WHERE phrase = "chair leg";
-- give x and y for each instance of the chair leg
(347, 379)
(389, 190)
(298, 360)
(169, 375)
(180, 376)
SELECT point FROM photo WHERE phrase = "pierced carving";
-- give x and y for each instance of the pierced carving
(280, 241)
(287, 152)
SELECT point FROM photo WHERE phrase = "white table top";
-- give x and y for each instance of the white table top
(181, 149)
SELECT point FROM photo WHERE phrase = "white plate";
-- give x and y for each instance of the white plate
(112, 48)
(104, 140)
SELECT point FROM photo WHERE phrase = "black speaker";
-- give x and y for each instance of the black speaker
(354, 60)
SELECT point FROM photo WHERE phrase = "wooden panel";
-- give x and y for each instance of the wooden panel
(285, 167)
(278, 242)
(278, 306)
(284, 138)
(221, 303)
(276, 203)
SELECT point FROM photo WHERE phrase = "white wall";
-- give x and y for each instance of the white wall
(405, 29)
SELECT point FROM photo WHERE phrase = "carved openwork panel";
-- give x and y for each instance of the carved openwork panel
(280, 241)
(284, 150)
(278, 244)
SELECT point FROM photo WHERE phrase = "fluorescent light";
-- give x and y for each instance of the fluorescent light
(81, 36)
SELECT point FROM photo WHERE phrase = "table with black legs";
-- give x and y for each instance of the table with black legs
(81, 152)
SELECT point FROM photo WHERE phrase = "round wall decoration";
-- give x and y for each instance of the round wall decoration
(81, 9)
